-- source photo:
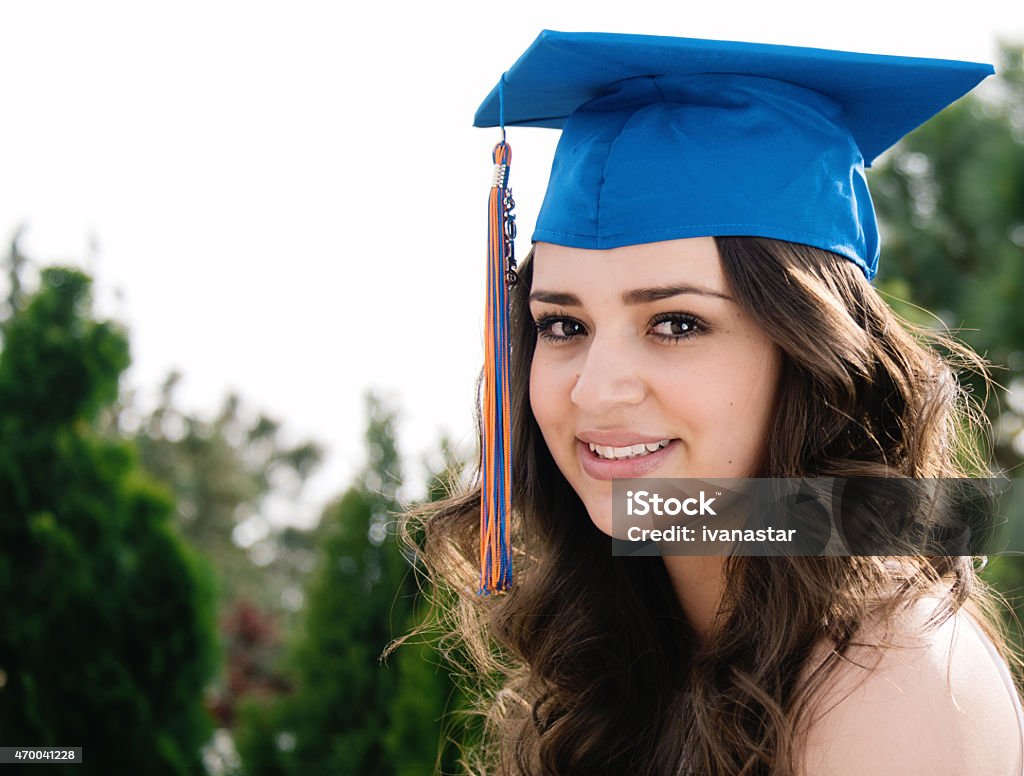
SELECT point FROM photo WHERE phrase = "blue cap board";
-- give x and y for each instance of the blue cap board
(665, 137)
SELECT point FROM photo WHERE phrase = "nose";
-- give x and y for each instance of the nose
(610, 378)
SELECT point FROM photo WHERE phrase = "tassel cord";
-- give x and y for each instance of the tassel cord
(496, 464)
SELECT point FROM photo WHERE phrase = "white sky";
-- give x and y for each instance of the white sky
(288, 199)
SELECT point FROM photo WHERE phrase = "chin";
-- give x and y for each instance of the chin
(601, 515)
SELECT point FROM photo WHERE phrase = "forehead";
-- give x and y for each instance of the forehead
(693, 261)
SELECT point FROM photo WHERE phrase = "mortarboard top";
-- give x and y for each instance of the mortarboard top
(678, 137)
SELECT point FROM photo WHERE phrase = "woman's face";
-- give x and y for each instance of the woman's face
(646, 367)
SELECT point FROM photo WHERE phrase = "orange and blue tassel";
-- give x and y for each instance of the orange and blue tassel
(496, 452)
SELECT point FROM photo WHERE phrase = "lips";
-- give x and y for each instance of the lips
(639, 464)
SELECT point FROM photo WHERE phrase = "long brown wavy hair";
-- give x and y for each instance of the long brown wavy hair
(588, 665)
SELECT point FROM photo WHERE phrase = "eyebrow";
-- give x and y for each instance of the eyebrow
(633, 297)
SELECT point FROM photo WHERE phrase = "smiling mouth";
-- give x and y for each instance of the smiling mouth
(631, 451)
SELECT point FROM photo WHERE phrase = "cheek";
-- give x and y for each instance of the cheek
(551, 384)
(545, 394)
(765, 386)
(746, 413)
(725, 408)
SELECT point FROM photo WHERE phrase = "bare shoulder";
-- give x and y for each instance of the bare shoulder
(928, 706)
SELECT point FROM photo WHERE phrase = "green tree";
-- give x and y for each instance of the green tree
(228, 473)
(107, 634)
(951, 200)
(351, 713)
(430, 712)
(224, 473)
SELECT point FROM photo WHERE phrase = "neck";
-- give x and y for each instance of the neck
(699, 583)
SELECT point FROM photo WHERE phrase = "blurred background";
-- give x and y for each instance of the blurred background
(241, 295)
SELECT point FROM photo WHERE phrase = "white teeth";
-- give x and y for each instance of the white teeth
(631, 451)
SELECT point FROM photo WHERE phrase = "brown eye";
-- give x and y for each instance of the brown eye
(556, 328)
(567, 328)
(673, 327)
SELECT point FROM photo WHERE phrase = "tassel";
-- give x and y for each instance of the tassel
(496, 463)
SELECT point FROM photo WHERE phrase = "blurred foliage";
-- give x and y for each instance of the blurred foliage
(235, 481)
(951, 200)
(252, 648)
(351, 713)
(107, 634)
(227, 474)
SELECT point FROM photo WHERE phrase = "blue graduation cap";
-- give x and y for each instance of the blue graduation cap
(664, 138)
(676, 137)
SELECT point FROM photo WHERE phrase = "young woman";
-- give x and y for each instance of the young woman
(697, 304)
